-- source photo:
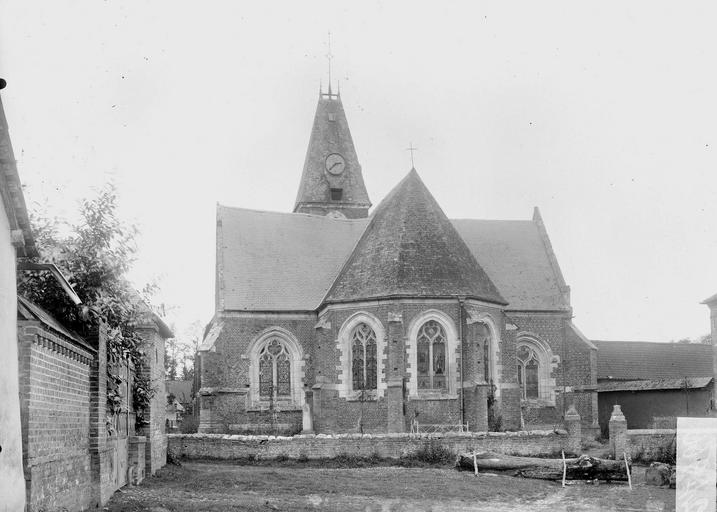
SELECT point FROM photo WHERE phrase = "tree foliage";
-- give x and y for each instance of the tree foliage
(95, 256)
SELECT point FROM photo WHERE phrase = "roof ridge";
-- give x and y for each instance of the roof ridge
(297, 214)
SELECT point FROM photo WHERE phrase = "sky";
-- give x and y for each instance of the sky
(603, 114)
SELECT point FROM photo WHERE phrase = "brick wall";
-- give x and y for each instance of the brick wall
(227, 403)
(55, 397)
(232, 447)
(575, 374)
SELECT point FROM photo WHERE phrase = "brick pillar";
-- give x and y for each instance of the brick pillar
(396, 421)
(99, 451)
(395, 371)
(155, 413)
(618, 433)
(573, 426)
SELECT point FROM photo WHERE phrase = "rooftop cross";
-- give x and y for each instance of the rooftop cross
(411, 149)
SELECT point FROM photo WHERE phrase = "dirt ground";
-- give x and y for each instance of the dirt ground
(290, 486)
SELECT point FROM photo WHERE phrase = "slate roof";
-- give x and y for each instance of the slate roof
(272, 261)
(331, 136)
(513, 254)
(653, 384)
(638, 360)
(411, 249)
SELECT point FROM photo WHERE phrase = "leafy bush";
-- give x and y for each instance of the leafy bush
(95, 256)
(434, 453)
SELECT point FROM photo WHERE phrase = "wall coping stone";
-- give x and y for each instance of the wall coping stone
(650, 431)
(475, 435)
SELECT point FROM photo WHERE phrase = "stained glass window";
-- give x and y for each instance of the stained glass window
(431, 355)
(528, 372)
(364, 367)
(274, 370)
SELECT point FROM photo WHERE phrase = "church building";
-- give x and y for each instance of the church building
(339, 318)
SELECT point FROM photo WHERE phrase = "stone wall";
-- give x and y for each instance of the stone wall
(645, 444)
(321, 446)
(651, 443)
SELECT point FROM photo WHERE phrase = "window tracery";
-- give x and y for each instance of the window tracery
(431, 356)
(528, 372)
(274, 370)
(364, 365)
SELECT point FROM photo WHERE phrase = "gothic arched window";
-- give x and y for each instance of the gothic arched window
(528, 372)
(274, 370)
(431, 356)
(363, 357)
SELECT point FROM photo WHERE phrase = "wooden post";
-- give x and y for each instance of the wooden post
(627, 468)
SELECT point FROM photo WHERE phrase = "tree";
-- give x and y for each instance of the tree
(95, 256)
(179, 362)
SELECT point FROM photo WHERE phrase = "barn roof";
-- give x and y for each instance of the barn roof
(654, 384)
(639, 360)
(411, 249)
(181, 389)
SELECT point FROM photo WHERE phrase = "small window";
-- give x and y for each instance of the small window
(337, 194)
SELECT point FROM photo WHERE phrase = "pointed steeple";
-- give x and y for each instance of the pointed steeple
(411, 249)
(332, 183)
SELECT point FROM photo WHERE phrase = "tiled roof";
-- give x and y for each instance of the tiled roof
(514, 256)
(271, 261)
(411, 249)
(654, 384)
(637, 360)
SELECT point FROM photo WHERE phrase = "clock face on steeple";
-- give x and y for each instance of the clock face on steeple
(335, 164)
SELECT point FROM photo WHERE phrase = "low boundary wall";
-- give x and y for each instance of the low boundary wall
(651, 444)
(324, 446)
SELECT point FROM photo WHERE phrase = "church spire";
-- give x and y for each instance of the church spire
(332, 182)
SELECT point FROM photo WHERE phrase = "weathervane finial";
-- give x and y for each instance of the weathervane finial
(329, 56)
(411, 149)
